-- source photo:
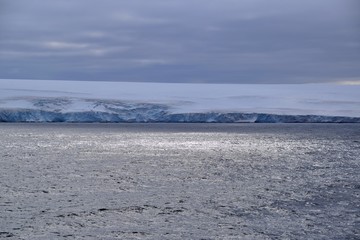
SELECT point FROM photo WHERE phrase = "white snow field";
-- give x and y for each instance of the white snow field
(85, 101)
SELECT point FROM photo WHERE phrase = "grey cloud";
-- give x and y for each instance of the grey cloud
(237, 41)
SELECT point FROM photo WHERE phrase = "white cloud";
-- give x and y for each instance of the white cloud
(131, 18)
(64, 45)
(349, 82)
(153, 61)
(95, 34)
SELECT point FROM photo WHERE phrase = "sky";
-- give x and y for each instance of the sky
(197, 41)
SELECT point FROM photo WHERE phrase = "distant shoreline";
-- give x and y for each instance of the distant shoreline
(61, 101)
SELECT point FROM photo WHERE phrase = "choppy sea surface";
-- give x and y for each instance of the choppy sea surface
(180, 181)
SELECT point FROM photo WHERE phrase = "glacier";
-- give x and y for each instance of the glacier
(118, 112)
(66, 101)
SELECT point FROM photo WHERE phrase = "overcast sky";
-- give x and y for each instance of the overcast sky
(217, 41)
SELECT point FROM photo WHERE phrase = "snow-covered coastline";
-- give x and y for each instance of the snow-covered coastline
(79, 101)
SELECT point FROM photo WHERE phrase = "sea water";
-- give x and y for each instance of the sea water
(180, 181)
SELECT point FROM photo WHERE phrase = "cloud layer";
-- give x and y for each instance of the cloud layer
(219, 41)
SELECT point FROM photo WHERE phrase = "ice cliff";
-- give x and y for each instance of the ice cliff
(57, 110)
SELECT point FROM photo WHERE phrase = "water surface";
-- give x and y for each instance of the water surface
(180, 181)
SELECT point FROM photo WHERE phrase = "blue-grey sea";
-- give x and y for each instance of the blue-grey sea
(179, 181)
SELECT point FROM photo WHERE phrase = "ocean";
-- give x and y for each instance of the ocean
(179, 181)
